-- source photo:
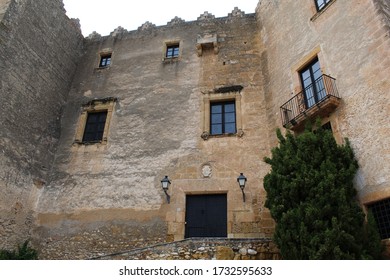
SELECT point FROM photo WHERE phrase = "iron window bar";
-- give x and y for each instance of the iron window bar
(322, 89)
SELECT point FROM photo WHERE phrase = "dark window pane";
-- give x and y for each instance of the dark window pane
(216, 129)
(216, 108)
(230, 128)
(94, 127)
(230, 117)
(216, 118)
(229, 108)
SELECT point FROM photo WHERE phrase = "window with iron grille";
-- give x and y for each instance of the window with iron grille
(94, 127)
(172, 51)
(320, 4)
(222, 118)
(105, 60)
(381, 212)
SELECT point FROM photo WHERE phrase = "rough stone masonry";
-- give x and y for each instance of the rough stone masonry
(159, 89)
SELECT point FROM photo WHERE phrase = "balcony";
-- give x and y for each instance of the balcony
(317, 100)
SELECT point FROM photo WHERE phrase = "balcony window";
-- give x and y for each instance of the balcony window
(312, 83)
(318, 98)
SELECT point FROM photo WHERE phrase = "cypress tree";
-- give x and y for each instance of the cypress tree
(312, 199)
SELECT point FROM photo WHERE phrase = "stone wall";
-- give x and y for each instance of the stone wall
(81, 200)
(155, 130)
(351, 41)
(204, 249)
(39, 51)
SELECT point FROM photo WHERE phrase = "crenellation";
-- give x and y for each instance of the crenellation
(236, 13)
(175, 21)
(206, 16)
(146, 26)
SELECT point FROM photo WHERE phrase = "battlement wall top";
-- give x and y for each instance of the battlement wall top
(204, 19)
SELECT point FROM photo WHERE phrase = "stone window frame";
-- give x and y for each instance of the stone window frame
(94, 106)
(169, 43)
(215, 96)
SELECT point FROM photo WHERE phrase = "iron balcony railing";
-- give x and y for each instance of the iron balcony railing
(316, 93)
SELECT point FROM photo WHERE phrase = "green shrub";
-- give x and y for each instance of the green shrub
(24, 252)
(312, 199)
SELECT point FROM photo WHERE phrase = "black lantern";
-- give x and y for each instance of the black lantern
(241, 182)
(165, 186)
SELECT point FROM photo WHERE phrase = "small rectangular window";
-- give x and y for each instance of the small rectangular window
(105, 60)
(172, 51)
(381, 212)
(94, 127)
(223, 118)
(320, 4)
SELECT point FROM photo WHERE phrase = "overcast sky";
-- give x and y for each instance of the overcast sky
(104, 16)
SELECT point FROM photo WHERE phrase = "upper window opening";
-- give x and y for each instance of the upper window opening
(105, 60)
(94, 127)
(222, 118)
(320, 4)
(381, 212)
(172, 51)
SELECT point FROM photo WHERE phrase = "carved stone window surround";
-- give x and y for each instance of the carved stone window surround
(210, 97)
(93, 106)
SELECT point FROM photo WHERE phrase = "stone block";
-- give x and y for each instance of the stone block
(224, 253)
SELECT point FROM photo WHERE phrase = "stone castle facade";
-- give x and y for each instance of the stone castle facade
(91, 126)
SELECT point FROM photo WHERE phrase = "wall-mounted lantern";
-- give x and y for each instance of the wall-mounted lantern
(241, 182)
(165, 186)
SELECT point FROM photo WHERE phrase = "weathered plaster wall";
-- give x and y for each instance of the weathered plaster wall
(156, 130)
(352, 42)
(39, 50)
